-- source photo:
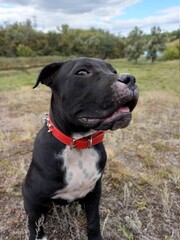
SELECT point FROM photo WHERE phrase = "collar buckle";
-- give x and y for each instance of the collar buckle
(89, 143)
(73, 144)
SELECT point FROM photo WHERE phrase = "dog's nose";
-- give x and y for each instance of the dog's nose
(127, 79)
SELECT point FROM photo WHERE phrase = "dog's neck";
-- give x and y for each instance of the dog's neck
(59, 119)
(79, 141)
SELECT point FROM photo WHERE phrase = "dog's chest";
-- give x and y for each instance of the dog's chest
(81, 173)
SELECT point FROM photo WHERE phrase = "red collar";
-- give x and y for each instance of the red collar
(85, 142)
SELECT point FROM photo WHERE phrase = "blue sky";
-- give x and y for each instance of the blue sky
(148, 8)
(116, 16)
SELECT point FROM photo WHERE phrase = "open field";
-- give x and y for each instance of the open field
(141, 184)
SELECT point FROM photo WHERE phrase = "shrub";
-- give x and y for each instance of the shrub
(24, 51)
(172, 52)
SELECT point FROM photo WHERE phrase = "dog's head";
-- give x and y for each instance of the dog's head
(90, 94)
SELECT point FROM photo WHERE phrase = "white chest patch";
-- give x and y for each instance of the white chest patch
(81, 173)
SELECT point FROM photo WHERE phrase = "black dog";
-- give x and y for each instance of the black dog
(88, 97)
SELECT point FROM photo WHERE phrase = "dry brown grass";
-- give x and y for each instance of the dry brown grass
(141, 184)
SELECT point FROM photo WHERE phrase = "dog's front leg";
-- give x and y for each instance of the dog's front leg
(35, 231)
(35, 225)
(91, 202)
(36, 218)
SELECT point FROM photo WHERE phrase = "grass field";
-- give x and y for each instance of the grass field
(141, 184)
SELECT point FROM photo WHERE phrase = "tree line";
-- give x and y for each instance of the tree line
(22, 39)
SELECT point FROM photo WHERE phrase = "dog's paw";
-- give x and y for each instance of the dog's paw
(95, 238)
(44, 238)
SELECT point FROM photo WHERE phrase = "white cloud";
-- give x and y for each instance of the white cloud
(50, 14)
(167, 20)
(95, 13)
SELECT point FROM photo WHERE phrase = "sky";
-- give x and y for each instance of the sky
(115, 16)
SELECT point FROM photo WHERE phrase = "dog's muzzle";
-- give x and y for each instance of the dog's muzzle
(124, 98)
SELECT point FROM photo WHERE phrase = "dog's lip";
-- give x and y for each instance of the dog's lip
(115, 116)
(118, 113)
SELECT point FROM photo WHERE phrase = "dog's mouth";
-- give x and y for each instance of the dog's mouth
(118, 115)
(120, 118)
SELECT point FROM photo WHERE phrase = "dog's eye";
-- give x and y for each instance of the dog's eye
(82, 72)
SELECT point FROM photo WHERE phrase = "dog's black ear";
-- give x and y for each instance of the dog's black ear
(48, 74)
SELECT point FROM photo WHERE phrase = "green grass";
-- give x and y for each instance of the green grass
(24, 62)
(21, 71)
(160, 76)
(11, 80)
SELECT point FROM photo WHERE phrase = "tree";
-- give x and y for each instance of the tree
(135, 44)
(155, 44)
(52, 43)
(23, 39)
(3, 43)
(16, 34)
(101, 44)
